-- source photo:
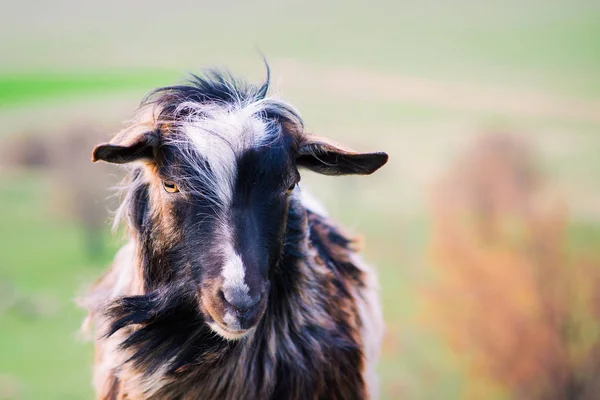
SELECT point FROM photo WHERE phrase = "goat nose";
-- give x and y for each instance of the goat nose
(239, 300)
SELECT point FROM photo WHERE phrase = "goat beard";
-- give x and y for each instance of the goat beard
(164, 328)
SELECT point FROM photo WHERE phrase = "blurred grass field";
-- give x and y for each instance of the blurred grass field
(419, 80)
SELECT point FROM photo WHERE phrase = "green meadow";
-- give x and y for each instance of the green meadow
(420, 80)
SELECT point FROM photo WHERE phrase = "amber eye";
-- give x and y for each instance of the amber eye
(290, 190)
(170, 186)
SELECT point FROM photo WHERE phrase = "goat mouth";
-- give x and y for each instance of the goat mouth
(228, 333)
(227, 323)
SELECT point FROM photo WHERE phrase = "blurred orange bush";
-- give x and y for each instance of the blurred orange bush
(511, 298)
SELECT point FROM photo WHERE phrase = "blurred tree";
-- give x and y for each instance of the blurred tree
(84, 187)
(511, 298)
(81, 189)
(27, 150)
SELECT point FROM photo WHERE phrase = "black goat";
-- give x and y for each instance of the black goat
(232, 286)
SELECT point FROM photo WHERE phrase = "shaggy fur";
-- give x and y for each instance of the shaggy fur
(314, 328)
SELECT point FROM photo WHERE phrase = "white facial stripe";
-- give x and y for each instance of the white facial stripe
(221, 159)
(234, 274)
(220, 134)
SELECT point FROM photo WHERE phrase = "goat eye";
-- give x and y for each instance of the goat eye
(290, 189)
(170, 186)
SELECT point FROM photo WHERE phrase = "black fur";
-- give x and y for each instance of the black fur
(319, 358)
(220, 86)
(306, 340)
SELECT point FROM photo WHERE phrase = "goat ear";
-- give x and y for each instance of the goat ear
(127, 147)
(326, 157)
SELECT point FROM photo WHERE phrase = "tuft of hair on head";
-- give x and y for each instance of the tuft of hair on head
(213, 85)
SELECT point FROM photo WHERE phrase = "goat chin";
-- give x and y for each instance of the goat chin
(228, 334)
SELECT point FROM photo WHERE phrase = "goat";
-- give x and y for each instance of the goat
(231, 286)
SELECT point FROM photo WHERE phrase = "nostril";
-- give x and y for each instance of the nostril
(240, 301)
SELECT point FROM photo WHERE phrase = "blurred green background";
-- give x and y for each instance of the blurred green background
(421, 80)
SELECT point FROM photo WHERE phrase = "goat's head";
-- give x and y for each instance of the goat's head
(214, 168)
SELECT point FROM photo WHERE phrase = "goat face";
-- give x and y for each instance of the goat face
(212, 188)
(231, 208)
